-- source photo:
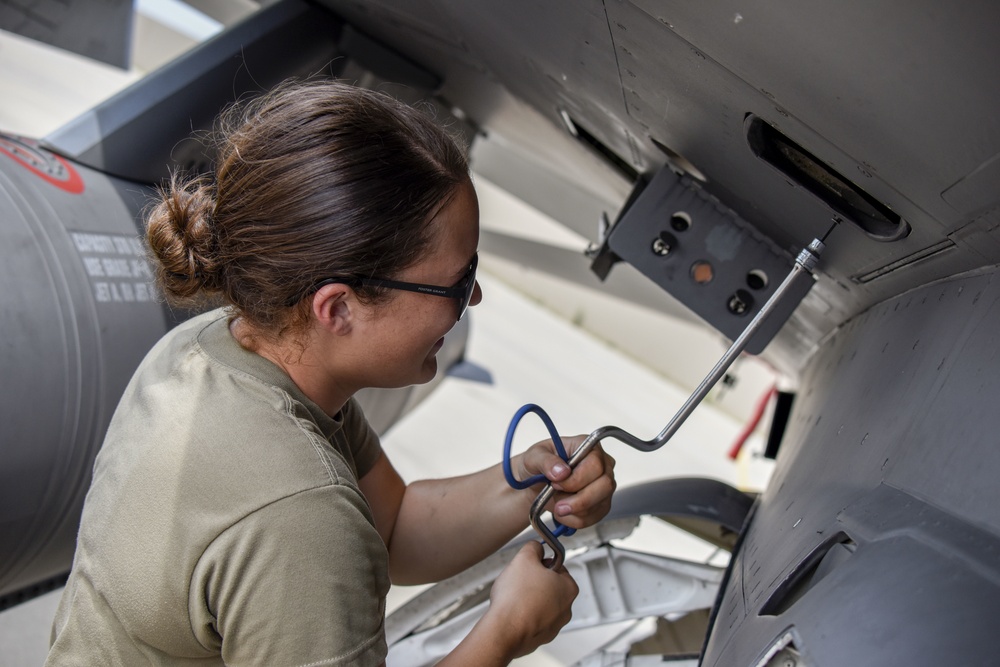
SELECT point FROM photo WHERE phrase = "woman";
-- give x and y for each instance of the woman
(242, 510)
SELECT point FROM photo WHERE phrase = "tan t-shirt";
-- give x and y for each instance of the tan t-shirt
(224, 524)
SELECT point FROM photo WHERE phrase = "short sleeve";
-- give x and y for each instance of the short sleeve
(301, 581)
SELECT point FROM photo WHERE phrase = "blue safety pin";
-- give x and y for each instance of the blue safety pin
(534, 479)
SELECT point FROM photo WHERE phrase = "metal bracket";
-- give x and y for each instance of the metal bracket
(702, 253)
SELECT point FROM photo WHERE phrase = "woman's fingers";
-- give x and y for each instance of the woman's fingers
(583, 494)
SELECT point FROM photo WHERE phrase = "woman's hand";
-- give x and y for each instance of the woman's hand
(530, 603)
(583, 495)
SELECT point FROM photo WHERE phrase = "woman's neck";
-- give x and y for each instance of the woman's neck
(299, 361)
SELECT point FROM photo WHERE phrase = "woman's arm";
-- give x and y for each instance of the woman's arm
(529, 604)
(437, 528)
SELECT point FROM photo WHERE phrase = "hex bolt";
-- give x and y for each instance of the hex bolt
(663, 244)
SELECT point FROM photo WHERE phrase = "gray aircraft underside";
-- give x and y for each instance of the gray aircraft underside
(720, 139)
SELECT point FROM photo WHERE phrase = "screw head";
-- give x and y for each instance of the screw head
(740, 302)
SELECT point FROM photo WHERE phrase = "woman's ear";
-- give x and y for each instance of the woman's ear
(333, 307)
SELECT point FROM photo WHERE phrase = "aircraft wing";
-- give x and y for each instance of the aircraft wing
(99, 30)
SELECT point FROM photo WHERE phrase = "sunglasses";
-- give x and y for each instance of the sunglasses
(460, 291)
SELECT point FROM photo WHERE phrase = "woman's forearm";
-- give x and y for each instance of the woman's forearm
(436, 528)
(447, 525)
(486, 645)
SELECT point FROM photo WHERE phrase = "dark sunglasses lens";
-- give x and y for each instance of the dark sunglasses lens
(470, 287)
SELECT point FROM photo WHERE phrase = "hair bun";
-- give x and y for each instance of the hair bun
(181, 237)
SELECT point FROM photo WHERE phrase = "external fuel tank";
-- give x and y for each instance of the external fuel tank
(78, 314)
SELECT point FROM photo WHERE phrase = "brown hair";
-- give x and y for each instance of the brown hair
(312, 180)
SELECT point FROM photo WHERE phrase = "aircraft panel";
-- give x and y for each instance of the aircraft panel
(907, 459)
(860, 73)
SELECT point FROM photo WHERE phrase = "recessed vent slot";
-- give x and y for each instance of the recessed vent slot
(847, 199)
(608, 155)
(822, 561)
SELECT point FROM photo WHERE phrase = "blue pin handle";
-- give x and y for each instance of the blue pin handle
(534, 479)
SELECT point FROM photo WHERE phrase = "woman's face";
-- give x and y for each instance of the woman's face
(404, 335)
